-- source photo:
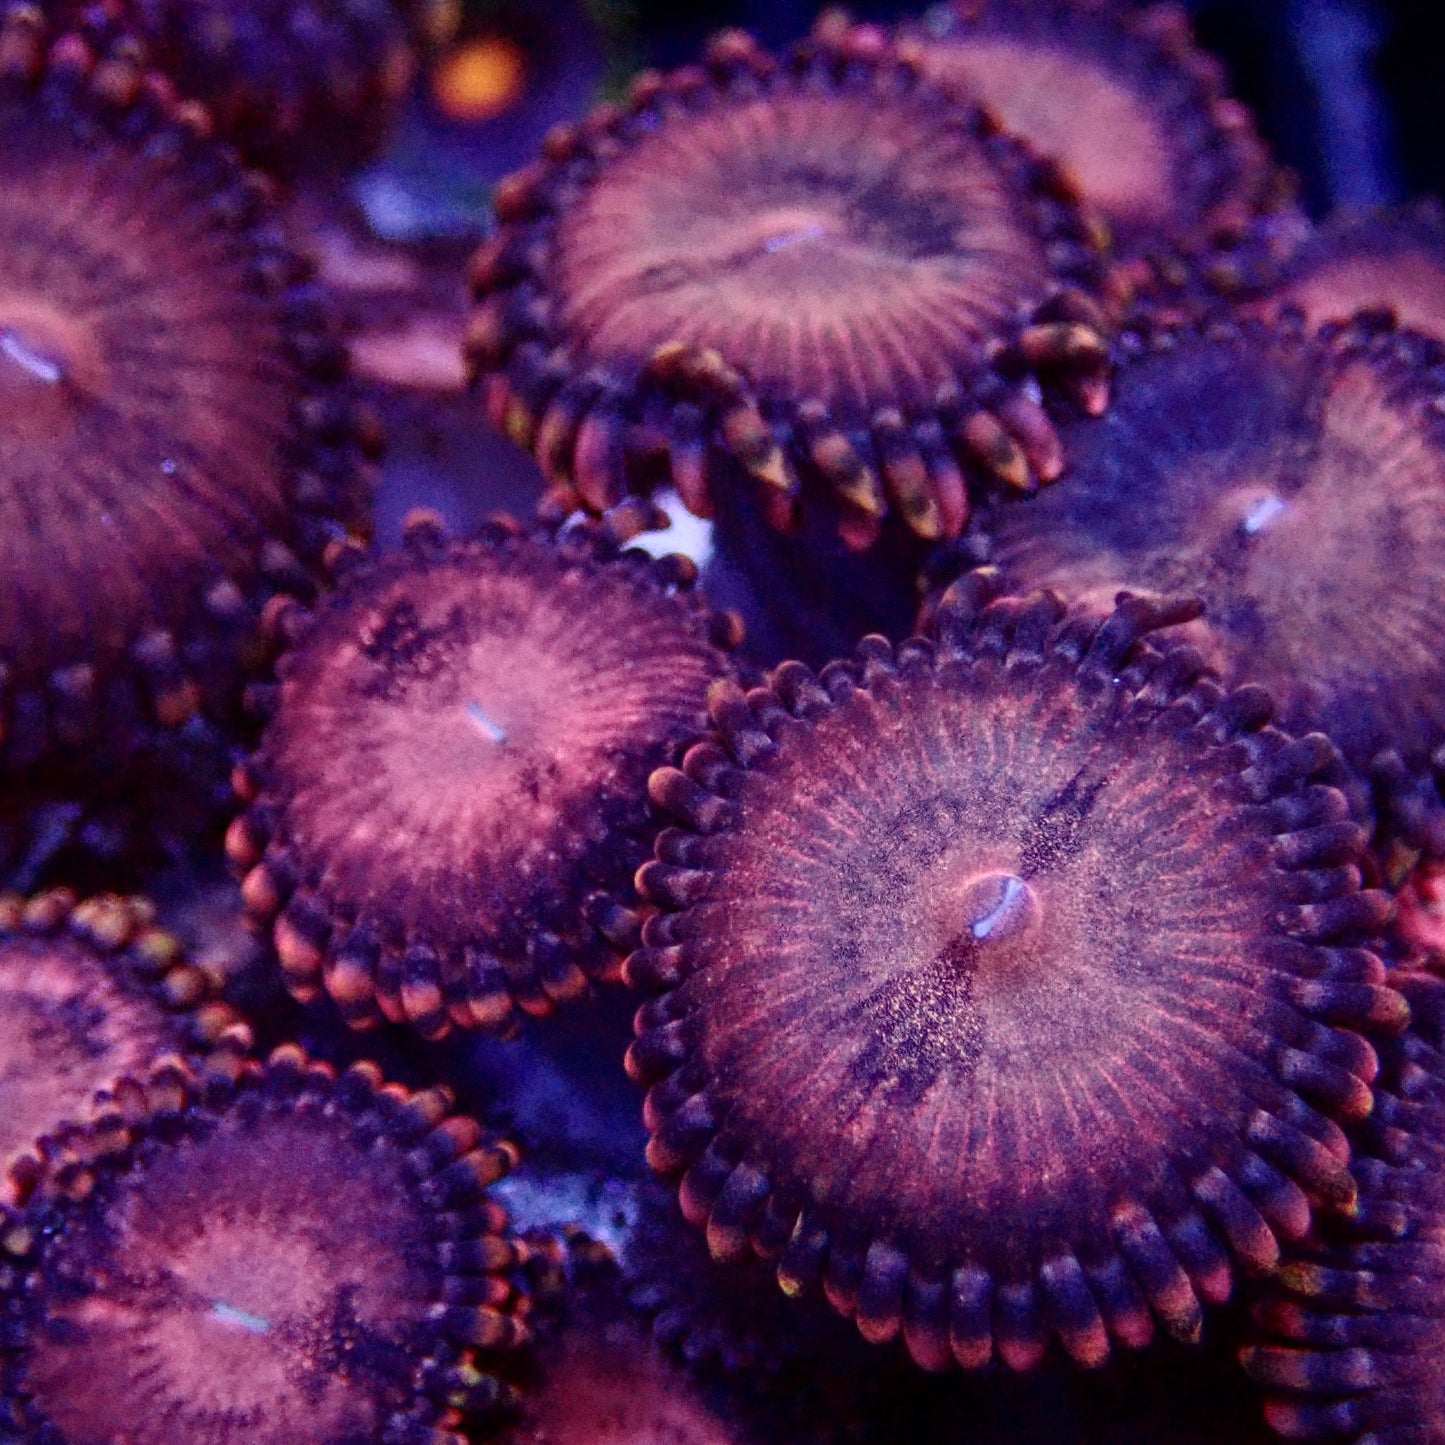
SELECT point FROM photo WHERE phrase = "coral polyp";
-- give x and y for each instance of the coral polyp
(455, 765)
(967, 1025)
(1135, 113)
(726, 1319)
(1349, 1343)
(1008, 984)
(600, 1380)
(1393, 260)
(298, 1256)
(89, 992)
(290, 83)
(816, 270)
(175, 444)
(1293, 479)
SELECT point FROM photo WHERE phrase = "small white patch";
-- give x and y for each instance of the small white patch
(1262, 514)
(492, 730)
(792, 238)
(606, 1208)
(229, 1315)
(990, 920)
(685, 534)
(40, 367)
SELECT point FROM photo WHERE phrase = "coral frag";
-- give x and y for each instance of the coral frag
(1010, 996)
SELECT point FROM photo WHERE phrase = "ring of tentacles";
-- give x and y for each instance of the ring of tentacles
(276, 1253)
(1137, 114)
(1008, 984)
(1292, 478)
(176, 441)
(1348, 1341)
(817, 271)
(454, 770)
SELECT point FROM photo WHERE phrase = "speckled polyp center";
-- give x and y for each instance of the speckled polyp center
(853, 249)
(972, 953)
(1301, 493)
(67, 1029)
(260, 1284)
(144, 393)
(455, 741)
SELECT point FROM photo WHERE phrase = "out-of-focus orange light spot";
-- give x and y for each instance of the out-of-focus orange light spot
(480, 79)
